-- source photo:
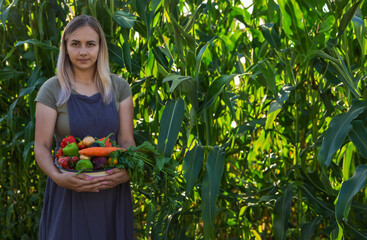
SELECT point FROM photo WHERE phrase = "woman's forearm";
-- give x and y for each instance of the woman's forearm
(45, 161)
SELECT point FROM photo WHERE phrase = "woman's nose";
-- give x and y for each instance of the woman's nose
(83, 51)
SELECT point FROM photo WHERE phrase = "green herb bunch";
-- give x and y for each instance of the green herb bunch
(147, 166)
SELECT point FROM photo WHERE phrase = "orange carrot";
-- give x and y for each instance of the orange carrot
(98, 151)
(107, 143)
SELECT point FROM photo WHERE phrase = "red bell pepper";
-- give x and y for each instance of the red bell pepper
(67, 140)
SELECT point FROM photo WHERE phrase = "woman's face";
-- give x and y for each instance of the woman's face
(82, 47)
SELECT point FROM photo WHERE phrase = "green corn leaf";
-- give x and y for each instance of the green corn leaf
(271, 35)
(210, 189)
(170, 126)
(199, 58)
(358, 135)
(115, 54)
(282, 212)
(188, 39)
(27, 155)
(216, 88)
(9, 116)
(127, 57)
(9, 213)
(190, 23)
(8, 73)
(271, 118)
(327, 24)
(35, 42)
(350, 149)
(176, 80)
(227, 42)
(348, 190)
(347, 17)
(340, 67)
(4, 14)
(339, 10)
(229, 104)
(36, 75)
(191, 166)
(124, 19)
(160, 56)
(281, 97)
(286, 17)
(267, 76)
(321, 208)
(308, 229)
(40, 19)
(250, 126)
(338, 129)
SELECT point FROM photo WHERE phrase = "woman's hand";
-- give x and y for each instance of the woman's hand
(115, 177)
(80, 182)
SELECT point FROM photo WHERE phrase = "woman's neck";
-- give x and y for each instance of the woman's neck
(84, 83)
(84, 76)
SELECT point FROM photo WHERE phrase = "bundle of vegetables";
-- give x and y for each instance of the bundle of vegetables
(91, 154)
(87, 154)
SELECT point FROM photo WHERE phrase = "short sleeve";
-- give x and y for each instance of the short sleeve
(121, 88)
(48, 93)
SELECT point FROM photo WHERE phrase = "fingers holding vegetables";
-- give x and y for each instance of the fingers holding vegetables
(115, 177)
(80, 183)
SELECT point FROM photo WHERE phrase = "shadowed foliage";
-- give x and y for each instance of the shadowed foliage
(262, 107)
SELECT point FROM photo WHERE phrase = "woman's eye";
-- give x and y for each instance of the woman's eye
(91, 44)
(74, 44)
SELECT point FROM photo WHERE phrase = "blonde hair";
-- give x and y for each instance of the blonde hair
(64, 66)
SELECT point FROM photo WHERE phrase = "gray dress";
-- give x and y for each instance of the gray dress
(107, 214)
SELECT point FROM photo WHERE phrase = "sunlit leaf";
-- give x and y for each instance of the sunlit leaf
(338, 128)
(348, 190)
(281, 97)
(216, 88)
(286, 17)
(327, 24)
(271, 118)
(347, 17)
(350, 149)
(210, 189)
(176, 80)
(191, 166)
(170, 125)
(358, 135)
(124, 19)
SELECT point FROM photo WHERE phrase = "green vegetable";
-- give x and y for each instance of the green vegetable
(146, 160)
(71, 150)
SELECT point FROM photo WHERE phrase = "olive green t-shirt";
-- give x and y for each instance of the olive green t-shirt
(49, 92)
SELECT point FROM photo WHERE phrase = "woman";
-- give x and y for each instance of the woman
(84, 99)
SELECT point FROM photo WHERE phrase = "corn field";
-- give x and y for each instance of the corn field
(262, 105)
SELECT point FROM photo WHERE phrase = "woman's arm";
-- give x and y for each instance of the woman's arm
(125, 139)
(44, 130)
(125, 136)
